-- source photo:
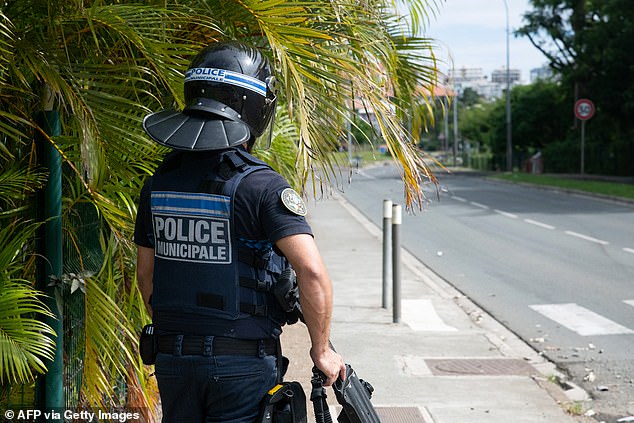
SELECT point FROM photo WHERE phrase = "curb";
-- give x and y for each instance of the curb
(552, 380)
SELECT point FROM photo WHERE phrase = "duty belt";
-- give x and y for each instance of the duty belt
(214, 345)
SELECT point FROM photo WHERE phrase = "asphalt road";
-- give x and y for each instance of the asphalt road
(555, 268)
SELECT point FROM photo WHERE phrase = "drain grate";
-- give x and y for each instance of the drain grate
(479, 367)
(400, 415)
(394, 414)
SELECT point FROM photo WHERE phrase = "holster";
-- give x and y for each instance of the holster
(148, 346)
(284, 403)
(286, 291)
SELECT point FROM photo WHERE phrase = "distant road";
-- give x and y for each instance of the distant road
(557, 269)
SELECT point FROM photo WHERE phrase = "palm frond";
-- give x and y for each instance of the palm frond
(332, 53)
(25, 342)
(108, 346)
(283, 150)
(16, 183)
(107, 64)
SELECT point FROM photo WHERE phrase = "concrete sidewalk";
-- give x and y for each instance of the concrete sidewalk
(447, 361)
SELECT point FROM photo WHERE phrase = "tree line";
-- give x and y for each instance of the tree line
(589, 46)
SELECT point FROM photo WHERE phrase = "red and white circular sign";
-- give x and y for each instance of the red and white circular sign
(584, 109)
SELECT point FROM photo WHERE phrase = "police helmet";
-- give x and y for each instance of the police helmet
(230, 100)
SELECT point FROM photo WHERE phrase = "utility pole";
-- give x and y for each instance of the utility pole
(509, 140)
(455, 127)
(445, 143)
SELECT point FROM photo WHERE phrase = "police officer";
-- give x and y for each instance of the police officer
(215, 228)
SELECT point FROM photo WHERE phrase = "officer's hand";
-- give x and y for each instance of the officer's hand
(330, 363)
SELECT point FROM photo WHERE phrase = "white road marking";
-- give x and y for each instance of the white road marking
(507, 214)
(581, 320)
(420, 315)
(540, 224)
(482, 206)
(361, 172)
(630, 302)
(587, 238)
(412, 365)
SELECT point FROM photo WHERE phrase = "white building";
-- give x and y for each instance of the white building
(499, 76)
(544, 72)
(475, 79)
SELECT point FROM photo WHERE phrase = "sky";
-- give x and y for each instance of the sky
(472, 34)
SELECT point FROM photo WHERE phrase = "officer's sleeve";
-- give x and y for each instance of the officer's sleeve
(143, 232)
(279, 220)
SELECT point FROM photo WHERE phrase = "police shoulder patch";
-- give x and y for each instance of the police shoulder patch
(293, 202)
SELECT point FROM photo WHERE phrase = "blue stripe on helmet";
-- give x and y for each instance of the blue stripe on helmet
(226, 77)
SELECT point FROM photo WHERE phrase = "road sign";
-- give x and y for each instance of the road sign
(584, 109)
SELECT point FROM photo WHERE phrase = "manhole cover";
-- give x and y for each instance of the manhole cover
(479, 367)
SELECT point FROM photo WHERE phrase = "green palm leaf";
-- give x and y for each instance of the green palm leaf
(25, 342)
(106, 64)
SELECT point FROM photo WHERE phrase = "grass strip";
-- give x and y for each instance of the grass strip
(608, 188)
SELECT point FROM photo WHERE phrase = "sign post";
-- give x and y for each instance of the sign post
(584, 110)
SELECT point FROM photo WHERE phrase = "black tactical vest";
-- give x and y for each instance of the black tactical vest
(203, 272)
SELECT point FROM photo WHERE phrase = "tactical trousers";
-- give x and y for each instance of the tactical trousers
(227, 389)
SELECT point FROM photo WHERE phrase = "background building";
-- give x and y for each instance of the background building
(544, 72)
(475, 79)
(499, 76)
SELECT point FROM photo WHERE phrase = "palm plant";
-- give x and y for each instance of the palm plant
(107, 64)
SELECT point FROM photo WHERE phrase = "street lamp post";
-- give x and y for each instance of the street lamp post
(509, 141)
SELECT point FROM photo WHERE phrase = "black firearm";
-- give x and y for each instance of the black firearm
(353, 394)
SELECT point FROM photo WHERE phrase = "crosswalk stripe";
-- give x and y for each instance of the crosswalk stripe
(581, 320)
(420, 315)
(630, 302)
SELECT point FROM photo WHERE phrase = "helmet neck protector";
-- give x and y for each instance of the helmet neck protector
(229, 92)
